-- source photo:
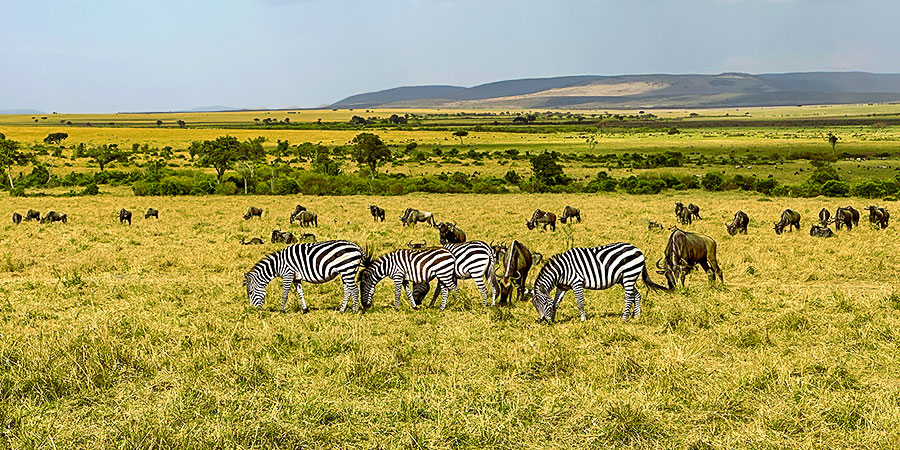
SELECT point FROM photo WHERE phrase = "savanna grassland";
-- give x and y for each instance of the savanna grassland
(141, 336)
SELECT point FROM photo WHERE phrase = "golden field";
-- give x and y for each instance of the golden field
(142, 337)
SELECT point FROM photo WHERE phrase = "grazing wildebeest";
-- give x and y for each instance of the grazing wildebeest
(283, 236)
(254, 241)
(253, 212)
(790, 219)
(570, 212)
(516, 262)
(844, 216)
(824, 216)
(738, 224)
(294, 215)
(377, 213)
(414, 216)
(307, 236)
(417, 245)
(151, 213)
(450, 234)
(821, 231)
(542, 218)
(682, 214)
(306, 218)
(53, 216)
(694, 210)
(32, 215)
(653, 225)
(125, 215)
(878, 216)
(685, 250)
(17, 218)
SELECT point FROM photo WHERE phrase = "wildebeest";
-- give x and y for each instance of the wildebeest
(542, 218)
(377, 213)
(570, 212)
(878, 216)
(253, 212)
(283, 236)
(450, 234)
(53, 216)
(254, 241)
(516, 262)
(417, 245)
(125, 215)
(790, 219)
(824, 216)
(306, 218)
(653, 225)
(820, 231)
(738, 224)
(16, 218)
(151, 213)
(694, 210)
(32, 215)
(685, 250)
(307, 236)
(414, 216)
(297, 211)
(846, 215)
(683, 214)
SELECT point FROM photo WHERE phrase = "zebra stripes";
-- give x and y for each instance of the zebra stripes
(316, 263)
(591, 268)
(416, 266)
(475, 260)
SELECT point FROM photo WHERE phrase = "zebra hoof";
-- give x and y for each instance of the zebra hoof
(305, 310)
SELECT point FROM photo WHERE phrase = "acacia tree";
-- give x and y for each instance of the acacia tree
(10, 156)
(106, 154)
(832, 139)
(56, 138)
(370, 150)
(461, 134)
(223, 152)
(158, 122)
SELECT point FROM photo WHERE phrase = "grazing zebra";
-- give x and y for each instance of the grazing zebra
(416, 266)
(316, 263)
(474, 260)
(591, 268)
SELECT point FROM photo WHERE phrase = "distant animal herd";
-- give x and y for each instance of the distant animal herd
(457, 258)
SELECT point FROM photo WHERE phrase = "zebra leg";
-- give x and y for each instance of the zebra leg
(349, 288)
(636, 302)
(578, 289)
(300, 294)
(632, 302)
(286, 281)
(479, 281)
(412, 300)
(447, 285)
(398, 286)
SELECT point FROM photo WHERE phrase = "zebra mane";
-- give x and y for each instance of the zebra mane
(259, 264)
(368, 257)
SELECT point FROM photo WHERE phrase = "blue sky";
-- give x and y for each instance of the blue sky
(108, 56)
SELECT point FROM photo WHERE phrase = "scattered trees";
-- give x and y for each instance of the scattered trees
(55, 138)
(10, 156)
(223, 152)
(547, 170)
(370, 151)
(106, 154)
(461, 134)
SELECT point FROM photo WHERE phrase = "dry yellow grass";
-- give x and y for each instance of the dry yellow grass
(138, 337)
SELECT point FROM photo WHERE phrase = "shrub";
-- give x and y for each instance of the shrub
(834, 188)
(712, 181)
(765, 186)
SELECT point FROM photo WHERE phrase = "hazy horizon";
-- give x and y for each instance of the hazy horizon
(109, 57)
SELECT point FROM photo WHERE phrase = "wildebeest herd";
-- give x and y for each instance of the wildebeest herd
(50, 217)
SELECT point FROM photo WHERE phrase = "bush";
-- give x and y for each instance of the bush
(834, 188)
(636, 185)
(712, 181)
(765, 186)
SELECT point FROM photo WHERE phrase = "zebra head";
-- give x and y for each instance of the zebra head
(543, 303)
(368, 278)
(256, 291)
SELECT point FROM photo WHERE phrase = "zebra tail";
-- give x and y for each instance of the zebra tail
(650, 284)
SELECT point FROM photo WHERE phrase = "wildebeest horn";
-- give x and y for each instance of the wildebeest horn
(659, 263)
(424, 242)
(409, 244)
(454, 224)
(516, 276)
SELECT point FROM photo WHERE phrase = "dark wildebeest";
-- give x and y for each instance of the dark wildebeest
(821, 231)
(824, 216)
(297, 210)
(542, 218)
(653, 225)
(414, 216)
(377, 213)
(283, 236)
(253, 212)
(33, 215)
(685, 250)
(306, 218)
(517, 261)
(151, 213)
(17, 218)
(254, 241)
(53, 216)
(125, 215)
(682, 214)
(846, 215)
(738, 224)
(570, 212)
(307, 236)
(450, 234)
(417, 245)
(790, 219)
(694, 210)
(878, 216)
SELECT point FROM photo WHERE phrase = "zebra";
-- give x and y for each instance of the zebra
(475, 260)
(591, 268)
(416, 266)
(317, 262)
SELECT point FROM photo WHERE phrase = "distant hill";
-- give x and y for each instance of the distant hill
(645, 91)
(213, 108)
(21, 111)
